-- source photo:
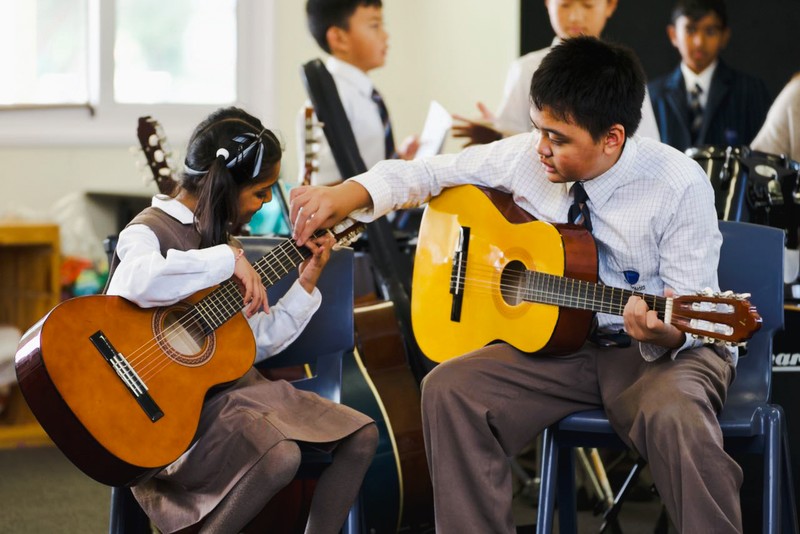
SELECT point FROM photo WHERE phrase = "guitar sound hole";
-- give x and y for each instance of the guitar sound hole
(182, 338)
(183, 335)
(512, 283)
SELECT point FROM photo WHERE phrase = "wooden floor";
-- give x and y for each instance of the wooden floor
(42, 492)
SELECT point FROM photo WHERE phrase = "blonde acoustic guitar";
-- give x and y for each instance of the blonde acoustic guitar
(485, 271)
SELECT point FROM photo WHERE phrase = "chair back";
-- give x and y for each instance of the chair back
(329, 334)
(751, 261)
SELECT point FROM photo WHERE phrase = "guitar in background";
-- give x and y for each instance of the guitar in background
(152, 142)
(313, 130)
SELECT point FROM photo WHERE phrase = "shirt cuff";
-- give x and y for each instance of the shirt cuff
(652, 352)
(381, 194)
(297, 301)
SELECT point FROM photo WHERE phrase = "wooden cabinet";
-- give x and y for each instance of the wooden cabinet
(30, 286)
(29, 272)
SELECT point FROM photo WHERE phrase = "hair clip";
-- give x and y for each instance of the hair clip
(224, 153)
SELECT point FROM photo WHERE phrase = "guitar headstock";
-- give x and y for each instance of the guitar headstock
(717, 317)
(152, 142)
(312, 136)
(345, 232)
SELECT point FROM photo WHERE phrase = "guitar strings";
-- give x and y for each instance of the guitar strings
(227, 294)
(218, 304)
(517, 283)
(531, 284)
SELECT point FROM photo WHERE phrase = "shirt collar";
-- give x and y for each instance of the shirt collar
(703, 79)
(173, 208)
(352, 74)
(601, 188)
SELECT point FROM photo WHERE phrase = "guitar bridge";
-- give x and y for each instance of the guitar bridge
(129, 377)
(458, 274)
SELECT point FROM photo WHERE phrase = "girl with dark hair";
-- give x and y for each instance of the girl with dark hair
(249, 431)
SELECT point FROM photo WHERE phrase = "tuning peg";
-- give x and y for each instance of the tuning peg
(159, 156)
(134, 149)
(164, 171)
(153, 140)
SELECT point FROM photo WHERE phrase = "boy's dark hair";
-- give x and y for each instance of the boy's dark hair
(322, 14)
(592, 84)
(697, 9)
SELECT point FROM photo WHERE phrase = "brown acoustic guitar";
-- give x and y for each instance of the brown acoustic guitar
(480, 276)
(119, 388)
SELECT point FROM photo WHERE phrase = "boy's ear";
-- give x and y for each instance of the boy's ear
(337, 40)
(726, 36)
(673, 38)
(614, 139)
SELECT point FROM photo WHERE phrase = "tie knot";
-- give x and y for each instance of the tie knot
(376, 96)
(580, 193)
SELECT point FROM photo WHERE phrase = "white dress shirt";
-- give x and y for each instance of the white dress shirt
(355, 92)
(148, 279)
(514, 115)
(652, 212)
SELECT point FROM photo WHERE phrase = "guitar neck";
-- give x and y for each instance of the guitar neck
(578, 294)
(213, 310)
(226, 301)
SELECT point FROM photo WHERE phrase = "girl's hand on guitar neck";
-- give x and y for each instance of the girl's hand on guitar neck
(315, 207)
(250, 284)
(320, 254)
(643, 324)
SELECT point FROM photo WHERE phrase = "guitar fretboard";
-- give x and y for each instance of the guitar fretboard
(578, 294)
(226, 301)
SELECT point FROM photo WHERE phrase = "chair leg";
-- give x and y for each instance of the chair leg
(610, 515)
(789, 504)
(567, 499)
(352, 525)
(772, 472)
(126, 516)
(547, 484)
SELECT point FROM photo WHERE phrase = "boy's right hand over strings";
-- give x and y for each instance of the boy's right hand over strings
(315, 207)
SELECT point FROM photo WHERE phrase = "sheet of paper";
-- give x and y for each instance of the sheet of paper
(437, 125)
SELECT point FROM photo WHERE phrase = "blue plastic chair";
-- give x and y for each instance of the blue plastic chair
(751, 261)
(322, 346)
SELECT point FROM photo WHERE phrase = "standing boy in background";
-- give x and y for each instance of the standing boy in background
(704, 101)
(568, 18)
(352, 32)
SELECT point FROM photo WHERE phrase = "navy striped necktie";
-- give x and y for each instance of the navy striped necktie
(388, 137)
(579, 210)
(695, 111)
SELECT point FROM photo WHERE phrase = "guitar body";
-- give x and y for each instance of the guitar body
(383, 355)
(498, 251)
(381, 488)
(85, 407)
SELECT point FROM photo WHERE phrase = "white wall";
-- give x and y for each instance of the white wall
(454, 51)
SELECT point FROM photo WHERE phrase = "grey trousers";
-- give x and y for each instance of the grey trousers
(481, 408)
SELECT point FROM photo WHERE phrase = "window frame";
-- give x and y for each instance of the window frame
(106, 122)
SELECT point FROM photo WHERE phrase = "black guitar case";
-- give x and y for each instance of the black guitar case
(393, 266)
